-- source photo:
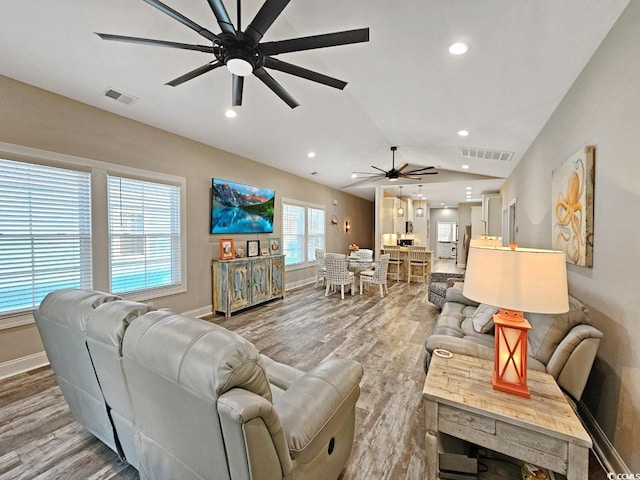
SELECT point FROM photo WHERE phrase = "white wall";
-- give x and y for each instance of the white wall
(601, 108)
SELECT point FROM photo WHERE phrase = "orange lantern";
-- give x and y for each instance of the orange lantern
(510, 360)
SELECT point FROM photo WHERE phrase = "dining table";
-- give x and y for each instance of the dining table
(357, 264)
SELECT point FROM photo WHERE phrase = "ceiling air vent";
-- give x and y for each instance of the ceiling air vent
(483, 154)
(120, 96)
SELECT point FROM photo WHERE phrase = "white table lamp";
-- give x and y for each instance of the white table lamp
(515, 280)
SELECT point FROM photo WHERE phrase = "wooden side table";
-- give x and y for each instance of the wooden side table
(543, 430)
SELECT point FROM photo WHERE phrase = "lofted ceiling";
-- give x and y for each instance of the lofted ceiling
(404, 87)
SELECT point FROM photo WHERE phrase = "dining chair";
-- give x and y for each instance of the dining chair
(419, 260)
(337, 273)
(377, 276)
(395, 262)
(364, 254)
(321, 269)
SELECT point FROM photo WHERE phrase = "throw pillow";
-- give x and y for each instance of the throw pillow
(483, 318)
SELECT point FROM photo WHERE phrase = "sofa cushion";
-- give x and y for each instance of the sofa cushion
(455, 295)
(548, 331)
(482, 318)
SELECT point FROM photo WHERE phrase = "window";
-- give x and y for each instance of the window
(302, 231)
(144, 235)
(45, 233)
(74, 222)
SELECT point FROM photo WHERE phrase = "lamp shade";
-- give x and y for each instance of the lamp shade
(524, 279)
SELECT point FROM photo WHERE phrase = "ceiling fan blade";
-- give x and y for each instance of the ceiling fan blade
(222, 16)
(270, 82)
(207, 67)
(267, 14)
(237, 84)
(182, 19)
(316, 41)
(420, 170)
(373, 166)
(303, 73)
(156, 43)
(402, 167)
(412, 177)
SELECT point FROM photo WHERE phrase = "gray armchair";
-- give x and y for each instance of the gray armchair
(438, 284)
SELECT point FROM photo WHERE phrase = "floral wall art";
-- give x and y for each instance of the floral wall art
(572, 185)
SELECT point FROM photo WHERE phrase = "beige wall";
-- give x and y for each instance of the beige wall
(35, 118)
(601, 108)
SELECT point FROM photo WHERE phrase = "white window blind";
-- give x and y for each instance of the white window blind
(293, 233)
(302, 231)
(45, 233)
(315, 235)
(144, 235)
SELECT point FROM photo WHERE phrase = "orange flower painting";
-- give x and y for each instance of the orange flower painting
(572, 207)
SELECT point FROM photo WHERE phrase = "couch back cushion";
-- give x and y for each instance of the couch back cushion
(548, 330)
(199, 355)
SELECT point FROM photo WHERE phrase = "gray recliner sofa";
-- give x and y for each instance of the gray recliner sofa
(179, 397)
(563, 345)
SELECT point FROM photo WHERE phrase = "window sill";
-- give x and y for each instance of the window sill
(26, 318)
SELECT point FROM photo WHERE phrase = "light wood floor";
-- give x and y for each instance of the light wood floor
(40, 440)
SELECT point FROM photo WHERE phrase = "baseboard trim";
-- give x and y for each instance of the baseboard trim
(23, 364)
(300, 283)
(602, 447)
(199, 312)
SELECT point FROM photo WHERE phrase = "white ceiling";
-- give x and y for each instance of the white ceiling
(404, 89)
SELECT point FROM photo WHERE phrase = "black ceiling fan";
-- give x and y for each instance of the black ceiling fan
(241, 51)
(396, 173)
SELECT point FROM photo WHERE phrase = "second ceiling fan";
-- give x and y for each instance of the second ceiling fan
(396, 173)
(241, 51)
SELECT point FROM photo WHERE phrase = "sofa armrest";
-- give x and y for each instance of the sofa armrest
(250, 426)
(572, 360)
(315, 406)
(458, 346)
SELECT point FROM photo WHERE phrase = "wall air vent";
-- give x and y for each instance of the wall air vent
(484, 154)
(120, 96)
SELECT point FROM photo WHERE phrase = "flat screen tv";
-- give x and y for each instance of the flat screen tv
(238, 208)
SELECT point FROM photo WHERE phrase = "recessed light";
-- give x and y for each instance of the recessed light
(230, 113)
(354, 175)
(458, 48)
(469, 188)
(465, 166)
(442, 204)
(463, 133)
(311, 154)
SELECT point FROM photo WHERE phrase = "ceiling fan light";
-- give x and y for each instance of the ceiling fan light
(458, 48)
(239, 67)
(393, 179)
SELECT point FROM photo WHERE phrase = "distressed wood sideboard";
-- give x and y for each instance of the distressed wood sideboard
(244, 282)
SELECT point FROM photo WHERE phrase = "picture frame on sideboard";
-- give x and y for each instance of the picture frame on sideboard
(227, 250)
(253, 248)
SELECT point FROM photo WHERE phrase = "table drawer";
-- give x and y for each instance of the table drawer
(532, 439)
(452, 415)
